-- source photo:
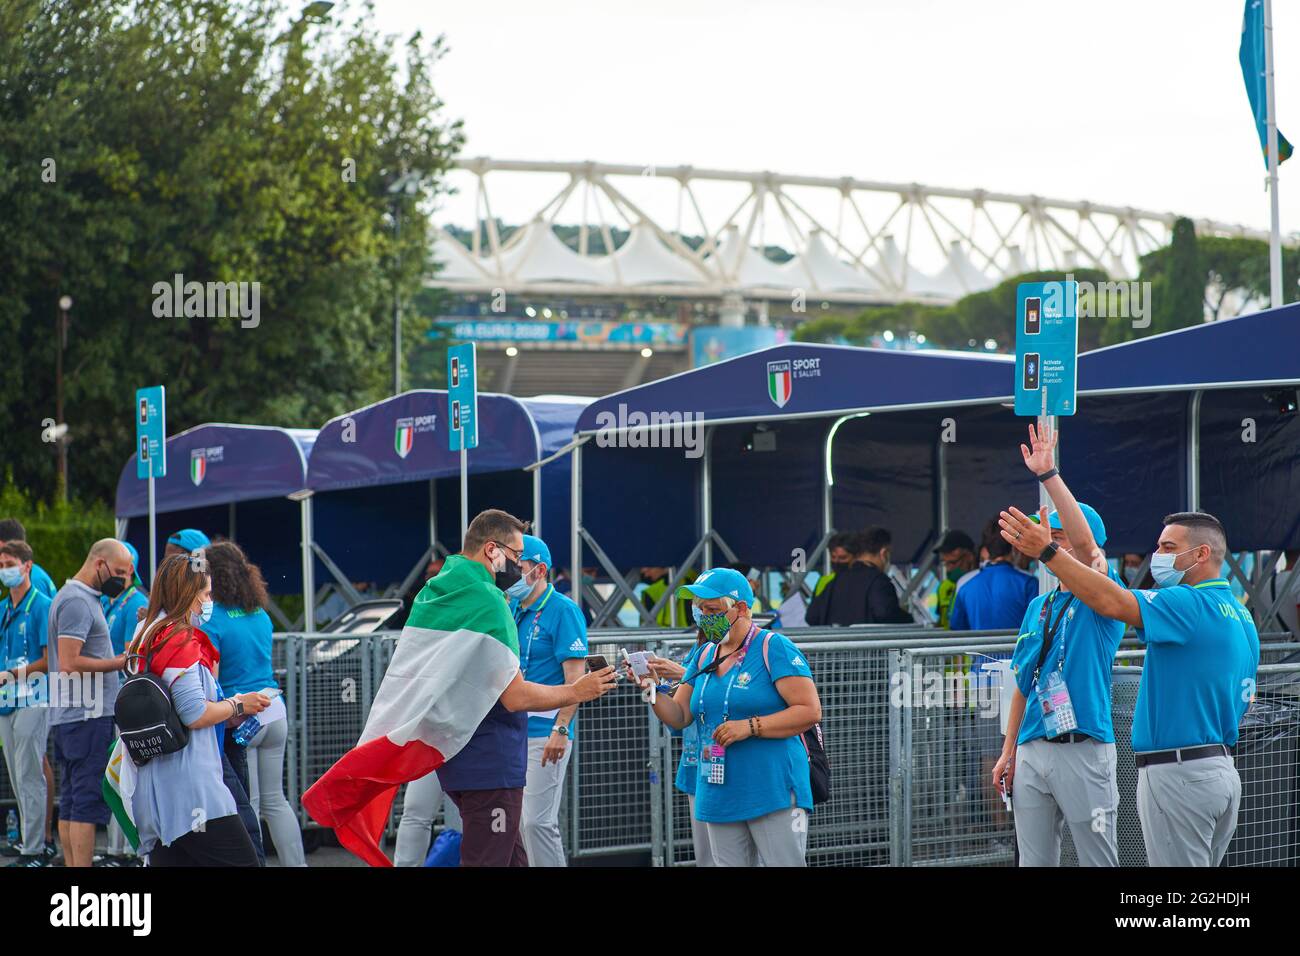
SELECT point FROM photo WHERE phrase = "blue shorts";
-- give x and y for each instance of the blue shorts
(81, 751)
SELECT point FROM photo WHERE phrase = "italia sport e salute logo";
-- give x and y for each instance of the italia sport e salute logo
(200, 458)
(779, 382)
(407, 428)
(404, 438)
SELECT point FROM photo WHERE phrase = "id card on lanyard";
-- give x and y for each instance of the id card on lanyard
(528, 650)
(712, 754)
(1054, 698)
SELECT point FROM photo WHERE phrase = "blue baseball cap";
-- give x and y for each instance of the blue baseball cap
(717, 583)
(535, 550)
(130, 549)
(1095, 524)
(190, 539)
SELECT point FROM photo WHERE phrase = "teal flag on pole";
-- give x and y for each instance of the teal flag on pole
(1251, 56)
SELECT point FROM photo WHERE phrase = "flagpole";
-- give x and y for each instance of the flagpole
(1275, 233)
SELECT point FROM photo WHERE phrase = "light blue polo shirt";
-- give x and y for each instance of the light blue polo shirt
(1089, 642)
(552, 630)
(42, 581)
(23, 633)
(761, 772)
(1199, 673)
(686, 773)
(122, 616)
(244, 640)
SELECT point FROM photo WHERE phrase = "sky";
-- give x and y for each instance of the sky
(1113, 101)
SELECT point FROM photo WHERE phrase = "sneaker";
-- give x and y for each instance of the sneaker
(37, 859)
(10, 849)
(114, 859)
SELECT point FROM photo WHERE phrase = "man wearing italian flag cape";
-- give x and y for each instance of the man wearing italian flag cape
(452, 700)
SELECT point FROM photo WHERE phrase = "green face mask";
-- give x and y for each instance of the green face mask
(714, 626)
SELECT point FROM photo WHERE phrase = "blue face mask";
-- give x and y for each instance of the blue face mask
(11, 577)
(1163, 571)
(204, 615)
(520, 589)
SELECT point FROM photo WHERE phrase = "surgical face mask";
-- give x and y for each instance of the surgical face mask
(112, 585)
(1163, 570)
(11, 577)
(509, 572)
(203, 616)
(520, 589)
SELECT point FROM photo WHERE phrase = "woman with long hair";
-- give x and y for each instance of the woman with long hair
(240, 630)
(183, 811)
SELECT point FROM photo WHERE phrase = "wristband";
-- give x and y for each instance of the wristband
(1050, 473)
(1049, 552)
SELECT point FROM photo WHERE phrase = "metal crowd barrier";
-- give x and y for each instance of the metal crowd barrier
(911, 732)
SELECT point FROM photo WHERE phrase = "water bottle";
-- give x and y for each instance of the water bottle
(247, 730)
(11, 828)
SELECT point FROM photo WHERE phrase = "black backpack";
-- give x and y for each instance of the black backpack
(146, 715)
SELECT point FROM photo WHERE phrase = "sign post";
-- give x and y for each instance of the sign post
(1047, 358)
(462, 405)
(151, 453)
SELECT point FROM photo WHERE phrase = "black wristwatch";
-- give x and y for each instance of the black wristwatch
(1049, 552)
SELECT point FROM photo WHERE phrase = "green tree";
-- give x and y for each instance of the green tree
(140, 140)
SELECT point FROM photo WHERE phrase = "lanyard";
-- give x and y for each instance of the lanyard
(537, 624)
(735, 669)
(117, 603)
(1049, 630)
(9, 616)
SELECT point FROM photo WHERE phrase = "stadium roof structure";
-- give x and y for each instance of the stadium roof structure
(855, 241)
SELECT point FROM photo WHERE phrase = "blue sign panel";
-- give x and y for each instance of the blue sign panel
(1047, 347)
(462, 397)
(151, 432)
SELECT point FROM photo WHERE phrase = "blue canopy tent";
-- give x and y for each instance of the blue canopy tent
(1201, 418)
(764, 455)
(228, 480)
(383, 485)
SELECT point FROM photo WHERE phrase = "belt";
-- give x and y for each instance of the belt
(1182, 755)
(1068, 739)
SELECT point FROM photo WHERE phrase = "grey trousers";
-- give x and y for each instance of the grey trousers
(1188, 811)
(700, 838)
(1055, 784)
(779, 838)
(420, 805)
(23, 734)
(266, 791)
(540, 823)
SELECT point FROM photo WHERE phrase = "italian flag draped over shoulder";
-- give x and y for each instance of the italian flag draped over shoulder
(456, 656)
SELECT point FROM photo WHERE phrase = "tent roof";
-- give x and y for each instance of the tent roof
(746, 266)
(825, 380)
(826, 272)
(959, 277)
(513, 433)
(457, 262)
(1262, 348)
(538, 255)
(241, 463)
(644, 260)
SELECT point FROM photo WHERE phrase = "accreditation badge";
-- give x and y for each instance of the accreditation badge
(1058, 711)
